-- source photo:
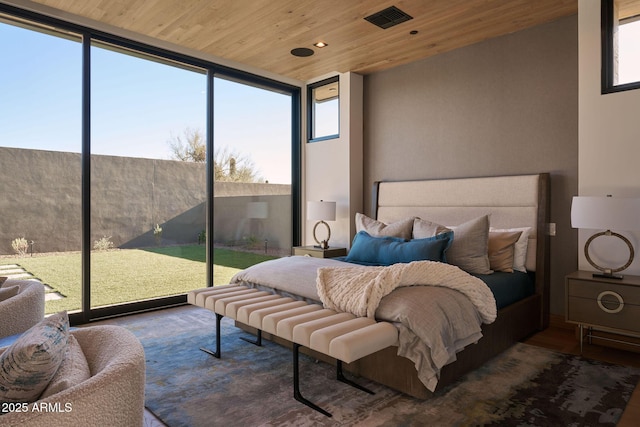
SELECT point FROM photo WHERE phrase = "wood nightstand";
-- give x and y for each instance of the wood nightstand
(610, 305)
(318, 252)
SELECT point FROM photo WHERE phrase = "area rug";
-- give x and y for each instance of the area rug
(252, 386)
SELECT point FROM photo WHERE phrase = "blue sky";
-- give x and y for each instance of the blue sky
(138, 105)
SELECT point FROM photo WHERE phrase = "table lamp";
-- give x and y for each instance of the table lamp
(606, 213)
(321, 211)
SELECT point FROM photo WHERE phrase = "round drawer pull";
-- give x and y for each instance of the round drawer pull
(616, 296)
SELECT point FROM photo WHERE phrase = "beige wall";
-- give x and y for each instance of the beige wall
(333, 168)
(504, 106)
(609, 143)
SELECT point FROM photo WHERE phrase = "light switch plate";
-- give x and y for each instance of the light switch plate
(551, 229)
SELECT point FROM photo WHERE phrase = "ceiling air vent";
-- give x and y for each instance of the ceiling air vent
(388, 18)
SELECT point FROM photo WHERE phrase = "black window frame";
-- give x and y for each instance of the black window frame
(310, 109)
(88, 314)
(607, 18)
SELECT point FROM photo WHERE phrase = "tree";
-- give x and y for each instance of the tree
(228, 165)
(193, 148)
(232, 166)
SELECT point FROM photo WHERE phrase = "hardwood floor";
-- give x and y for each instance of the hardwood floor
(562, 337)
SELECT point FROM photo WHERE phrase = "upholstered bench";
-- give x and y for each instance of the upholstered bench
(342, 336)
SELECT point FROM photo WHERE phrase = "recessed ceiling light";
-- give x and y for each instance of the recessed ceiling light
(320, 44)
(301, 51)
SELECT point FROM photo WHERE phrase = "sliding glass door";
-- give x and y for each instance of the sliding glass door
(133, 174)
(40, 164)
(252, 176)
(148, 180)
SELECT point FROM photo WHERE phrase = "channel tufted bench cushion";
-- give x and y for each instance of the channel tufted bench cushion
(339, 335)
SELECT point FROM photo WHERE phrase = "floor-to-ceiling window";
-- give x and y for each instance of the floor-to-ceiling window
(252, 179)
(40, 166)
(142, 184)
(148, 206)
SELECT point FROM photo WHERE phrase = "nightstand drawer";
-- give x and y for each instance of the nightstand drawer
(591, 290)
(610, 305)
(588, 311)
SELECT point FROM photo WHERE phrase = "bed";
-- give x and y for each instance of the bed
(422, 214)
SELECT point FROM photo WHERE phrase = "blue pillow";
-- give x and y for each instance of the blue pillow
(369, 250)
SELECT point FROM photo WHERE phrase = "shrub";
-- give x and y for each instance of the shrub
(157, 233)
(20, 246)
(252, 242)
(103, 244)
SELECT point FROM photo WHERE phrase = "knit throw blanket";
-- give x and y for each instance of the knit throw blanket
(358, 290)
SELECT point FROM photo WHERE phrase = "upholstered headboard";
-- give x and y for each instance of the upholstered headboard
(511, 201)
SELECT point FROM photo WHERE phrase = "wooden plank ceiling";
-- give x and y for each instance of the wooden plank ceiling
(261, 33)
(628, 8)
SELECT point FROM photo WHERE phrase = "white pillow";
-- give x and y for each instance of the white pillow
(424, 228)
(377, 228)
(520, 252)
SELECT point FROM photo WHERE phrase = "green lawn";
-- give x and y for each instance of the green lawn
(132, 274)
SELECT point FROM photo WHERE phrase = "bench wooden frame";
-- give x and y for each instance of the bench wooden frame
(342, 336)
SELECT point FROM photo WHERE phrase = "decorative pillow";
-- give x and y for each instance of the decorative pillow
(470, 246)
(520, 252)
(9, 292)
(73, 370)
(370, 250)
(377, 228)
(423, 228)
(501, 250)
(27, 366)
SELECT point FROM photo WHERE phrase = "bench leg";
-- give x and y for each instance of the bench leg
(340, 377)
(296, 383)
(257, 341)
(215, 354)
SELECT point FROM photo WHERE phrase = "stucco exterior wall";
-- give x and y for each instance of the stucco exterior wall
(41, 201)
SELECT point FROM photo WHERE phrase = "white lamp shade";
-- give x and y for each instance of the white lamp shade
(605, 213)
(321, 211)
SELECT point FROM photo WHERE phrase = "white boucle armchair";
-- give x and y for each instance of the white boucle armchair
(22, 311)
(112, 397)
